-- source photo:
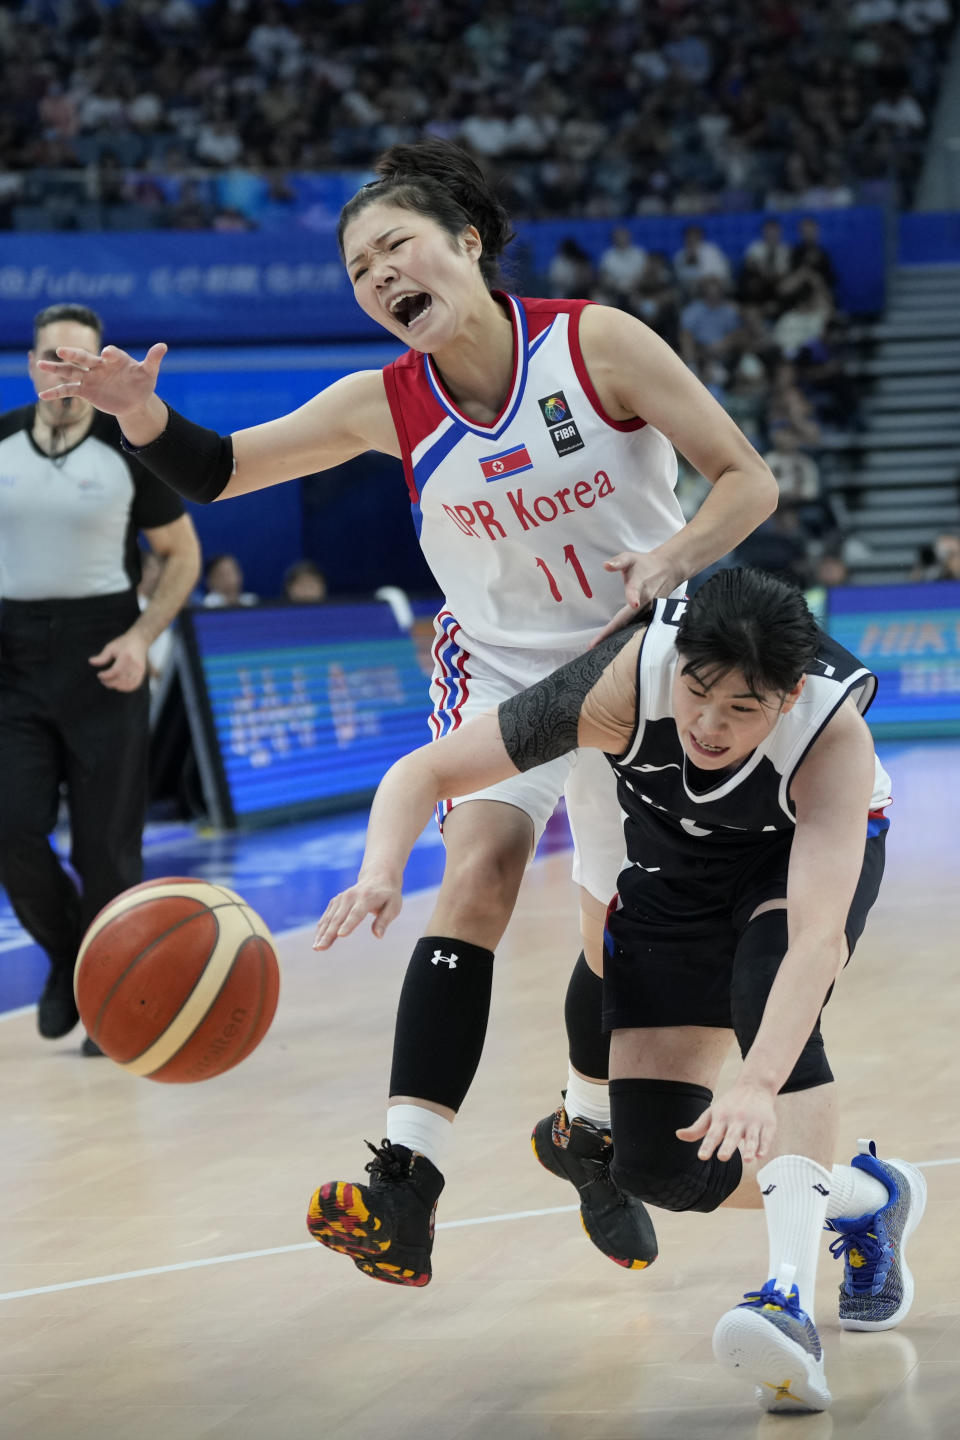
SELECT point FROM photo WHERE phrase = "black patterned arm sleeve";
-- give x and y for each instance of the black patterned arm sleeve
(543, 721)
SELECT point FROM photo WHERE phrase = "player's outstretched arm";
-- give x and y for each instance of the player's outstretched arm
(590, 701)
(349, 417)
(471, 758)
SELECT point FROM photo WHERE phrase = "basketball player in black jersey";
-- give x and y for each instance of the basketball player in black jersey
(753, 804)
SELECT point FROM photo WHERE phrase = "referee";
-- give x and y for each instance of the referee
(74, 698)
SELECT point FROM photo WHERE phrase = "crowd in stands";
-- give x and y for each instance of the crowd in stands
(304, 583)
(133, 113)
(144, 113)
(767, 338)
(939, 560)
(223, 586)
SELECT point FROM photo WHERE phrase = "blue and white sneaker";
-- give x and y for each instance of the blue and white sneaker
(774, 1344)
(877, 1287)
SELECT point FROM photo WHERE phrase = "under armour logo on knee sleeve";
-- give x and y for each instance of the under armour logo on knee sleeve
(438, 956)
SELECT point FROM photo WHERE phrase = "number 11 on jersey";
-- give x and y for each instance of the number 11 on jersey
(573, 560)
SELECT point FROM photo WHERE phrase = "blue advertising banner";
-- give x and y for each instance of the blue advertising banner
(189, 286)
(909, 636)
(308, 705)
(288, 283)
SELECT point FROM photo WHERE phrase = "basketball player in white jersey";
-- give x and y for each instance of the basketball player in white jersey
(537, 442)
(753, 814)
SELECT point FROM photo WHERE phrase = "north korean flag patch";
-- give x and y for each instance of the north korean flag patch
(508, 462)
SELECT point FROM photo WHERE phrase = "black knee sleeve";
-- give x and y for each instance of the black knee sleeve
(582, 1010)
(759, 953)
(441, 1020)
(648, 1159)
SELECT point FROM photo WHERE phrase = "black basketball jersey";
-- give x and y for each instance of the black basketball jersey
(670, 825)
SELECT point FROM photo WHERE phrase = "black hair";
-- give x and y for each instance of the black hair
(80, 314)
(302, 567)
(439, 179)
(751, 621)
(210, 564)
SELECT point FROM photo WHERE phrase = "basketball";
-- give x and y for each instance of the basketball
(177, 980)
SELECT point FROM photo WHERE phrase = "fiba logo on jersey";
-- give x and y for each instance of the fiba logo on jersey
(563, 431)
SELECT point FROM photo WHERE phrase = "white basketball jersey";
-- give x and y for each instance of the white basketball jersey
(516, 518)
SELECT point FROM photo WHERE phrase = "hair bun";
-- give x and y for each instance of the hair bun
(442, 163)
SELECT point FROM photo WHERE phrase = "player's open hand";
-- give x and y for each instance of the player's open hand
(743, 1119)
(374, 896)
(646, 576)
(112, 381)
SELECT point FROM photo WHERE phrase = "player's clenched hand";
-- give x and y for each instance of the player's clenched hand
(112, 381)
(744, 1118)
(374, 896)
(646, 576)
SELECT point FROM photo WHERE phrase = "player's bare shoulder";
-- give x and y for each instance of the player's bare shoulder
(612, 342)
(839, 766)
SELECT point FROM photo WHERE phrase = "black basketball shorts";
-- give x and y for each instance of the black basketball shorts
(669, 949)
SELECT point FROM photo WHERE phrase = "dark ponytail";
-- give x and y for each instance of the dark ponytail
(436, 178)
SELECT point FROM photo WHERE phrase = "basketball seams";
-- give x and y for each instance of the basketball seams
(142, 955)
(266, 953)
(247, 1047)
(232, 973)
(139, 896)
(256, 1028)
(255, 1021)
(199, 1002)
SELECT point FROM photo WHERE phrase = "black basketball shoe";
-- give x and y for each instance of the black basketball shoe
(57, 1011)
(385, 1227)
(618, 1224)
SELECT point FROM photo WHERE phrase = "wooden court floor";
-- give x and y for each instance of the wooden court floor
(238, 1327)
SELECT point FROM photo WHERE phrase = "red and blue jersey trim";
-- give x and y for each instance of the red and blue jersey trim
(430, 426)
(517, 383)
(453, 681)
(877, 823)
(451, 676)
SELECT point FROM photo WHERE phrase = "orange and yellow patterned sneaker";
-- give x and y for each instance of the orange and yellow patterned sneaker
(385, 1227)
(617, 1223)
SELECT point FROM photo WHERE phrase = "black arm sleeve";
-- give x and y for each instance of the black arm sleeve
(195, 462)
(543, 721)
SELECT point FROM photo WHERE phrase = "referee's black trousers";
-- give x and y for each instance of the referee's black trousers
(60, 724)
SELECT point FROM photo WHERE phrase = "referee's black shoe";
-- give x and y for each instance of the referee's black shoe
(57, 1011)
(617, 1223)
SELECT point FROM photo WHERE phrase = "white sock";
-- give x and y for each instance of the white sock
(587, 1101)
(854, 1193)
(419, 1129)
(795, 1191)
